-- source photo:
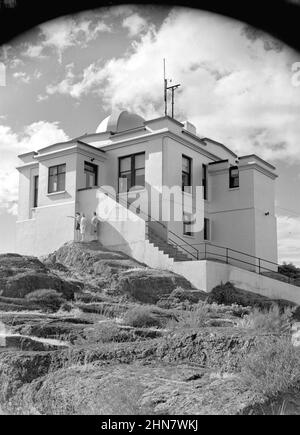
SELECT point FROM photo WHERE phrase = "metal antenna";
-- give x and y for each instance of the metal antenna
(166, 89)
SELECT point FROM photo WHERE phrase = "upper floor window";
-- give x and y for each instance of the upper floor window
(234, 177)
(57, 179)
(188, 222)
(131, 172)
(204, 182)
(35, 191)
(186, 173)
(91, 174)
(207, 230)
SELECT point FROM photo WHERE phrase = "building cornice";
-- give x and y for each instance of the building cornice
(79, 147)
(260, 159)
(165, 132)
(27, 166)
(258, 168)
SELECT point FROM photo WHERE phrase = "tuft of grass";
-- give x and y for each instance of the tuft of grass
(145, 317)
(48, 300)
(273, 320)
(272, 367)
(195, 318)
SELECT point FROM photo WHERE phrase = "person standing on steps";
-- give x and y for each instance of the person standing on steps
(83, 227)
(95, 227)
(77, 220)
(77, 226)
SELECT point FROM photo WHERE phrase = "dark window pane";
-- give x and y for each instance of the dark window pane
(186, 165)
(140, 161)
(61, 182)
(57, 178)
(185, 180)
(36, 191)
(140, 178)
(53, 170)
(204, 182)
(91, 174)
(206, 229)
(132, 169)
(234, 178)
(125, 183)
(125, 164)
(61, 169)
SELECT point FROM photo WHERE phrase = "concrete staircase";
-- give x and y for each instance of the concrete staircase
(165, 247)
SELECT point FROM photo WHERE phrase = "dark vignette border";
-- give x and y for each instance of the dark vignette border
(280, 18)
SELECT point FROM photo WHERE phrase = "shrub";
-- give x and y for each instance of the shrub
(109, 333)
(49, 300)
(272, 320)
(145, 317)
(228, 294)
(272, 367)
(195, 318)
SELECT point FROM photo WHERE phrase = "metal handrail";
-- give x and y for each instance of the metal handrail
(150, 219)
(197, 254)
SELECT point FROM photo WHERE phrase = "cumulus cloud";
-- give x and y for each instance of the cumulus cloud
(135, 24)
(22, 77)
(289, 239)
(63, 33)
(236, 82)
(33, 137)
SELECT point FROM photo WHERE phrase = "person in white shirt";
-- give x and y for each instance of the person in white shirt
(83, 227)
(95, 226)
(77, 226)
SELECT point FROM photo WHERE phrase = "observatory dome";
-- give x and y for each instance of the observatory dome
(120, 120)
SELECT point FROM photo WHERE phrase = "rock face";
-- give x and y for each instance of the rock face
(119, 274)
(20, 276)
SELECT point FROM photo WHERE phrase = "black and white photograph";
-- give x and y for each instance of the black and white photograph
(149, 211)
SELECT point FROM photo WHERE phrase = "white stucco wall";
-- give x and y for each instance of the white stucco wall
(47, 231)
(206, 275)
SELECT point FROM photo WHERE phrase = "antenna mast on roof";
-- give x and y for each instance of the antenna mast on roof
(169, 88)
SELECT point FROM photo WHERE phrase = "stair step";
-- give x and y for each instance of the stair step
(168, 249)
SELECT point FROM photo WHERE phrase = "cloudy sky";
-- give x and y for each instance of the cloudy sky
(65, 76)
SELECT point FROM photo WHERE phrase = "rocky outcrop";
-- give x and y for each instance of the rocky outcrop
(20, 276)
(120, 275)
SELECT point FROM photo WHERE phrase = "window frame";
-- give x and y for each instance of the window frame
(96, 168)
(132, 171)
(189, 174)
(35, 191)
(233, 179)
(205, 181)
(57, 175)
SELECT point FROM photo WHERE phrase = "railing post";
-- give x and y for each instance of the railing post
(259, 266)
(227, 256)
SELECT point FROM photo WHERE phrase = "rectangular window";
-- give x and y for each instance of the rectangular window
(207, 230)
(131, 172)
(35, 191)
(187, 224)
(204, 182)
(57, 179)
(186, 173)
(234, 178)
(91, 174)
